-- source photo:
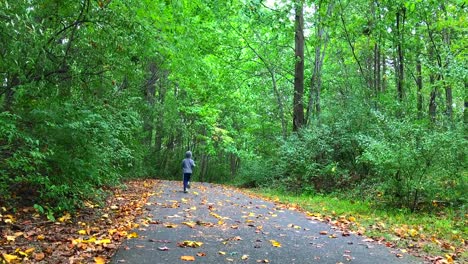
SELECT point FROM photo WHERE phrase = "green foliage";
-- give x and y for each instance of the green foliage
(416, 166)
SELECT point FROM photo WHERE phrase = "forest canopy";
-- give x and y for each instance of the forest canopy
(363, 96)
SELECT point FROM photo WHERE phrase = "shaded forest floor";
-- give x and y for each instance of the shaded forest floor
(93, 234)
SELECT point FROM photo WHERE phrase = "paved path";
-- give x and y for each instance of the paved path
(237, 228)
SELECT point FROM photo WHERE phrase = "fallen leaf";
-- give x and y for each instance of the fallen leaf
(275, 243)
(163, 248)
(39, 256)
(221, 252)
(188, 243)
(244, 257)
(187, 258)
(99, 260)
(65, 217)
(230, 259)
(132, 235)
(190, 224)
(9, 258)
(29, 250)
(323, 232)
(263, 261)
(201, 254)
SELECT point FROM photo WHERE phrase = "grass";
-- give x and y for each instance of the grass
(424, 234)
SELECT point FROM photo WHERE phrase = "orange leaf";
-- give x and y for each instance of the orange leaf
(187, 258)
(39, 256)
(99, 260)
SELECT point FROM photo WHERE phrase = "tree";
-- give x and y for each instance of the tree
(298, 107)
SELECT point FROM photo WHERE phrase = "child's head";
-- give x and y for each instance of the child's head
(188, 154)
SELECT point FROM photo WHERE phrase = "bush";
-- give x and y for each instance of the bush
(62, 155)
(416, 166)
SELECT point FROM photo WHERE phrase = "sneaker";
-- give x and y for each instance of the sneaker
(185, 192)
(188, 185)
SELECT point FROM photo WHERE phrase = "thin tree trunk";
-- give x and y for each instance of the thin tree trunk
(465, 109)
(149, 93)
(298, 107)
(432, 100)
(400, 21)
(384, 70)
(419, 83)
(316, 79)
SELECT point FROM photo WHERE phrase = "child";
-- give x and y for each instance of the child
(187, 165)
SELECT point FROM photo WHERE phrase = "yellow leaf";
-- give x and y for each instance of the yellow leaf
(352, 219)
(187, 258)
(40, 237)
(275, 243)
(65, 217)
(193, 244)
(9, 258)
(449, 258)
(99, 260)
(11, 238)
(190, 224)
(91, 240)
(221, 252)
(103, 241)
(196, 193)
(82, 232)
(244, 257)
(29, 250)
(412, 232)
(132, 235)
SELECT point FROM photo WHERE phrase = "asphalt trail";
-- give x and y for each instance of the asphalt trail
(237, 228)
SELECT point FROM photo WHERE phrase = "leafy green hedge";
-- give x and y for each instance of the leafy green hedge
(394, 161)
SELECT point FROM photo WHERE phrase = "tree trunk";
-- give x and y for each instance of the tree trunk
(383, 86)
(316, 79)
(449, 102)
(298, 107)
(465, 109)
(280, 103)
(149, 93)
(400, 21)
(432, 100)
(419, 83)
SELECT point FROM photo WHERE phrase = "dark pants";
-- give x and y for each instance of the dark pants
(186, 180)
